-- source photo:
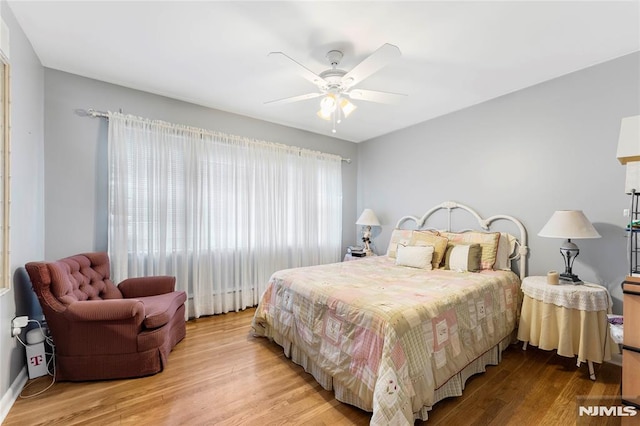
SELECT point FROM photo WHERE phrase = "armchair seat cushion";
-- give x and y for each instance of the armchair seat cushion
(161, 308)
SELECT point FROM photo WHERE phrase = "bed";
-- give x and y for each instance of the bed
(396, 333)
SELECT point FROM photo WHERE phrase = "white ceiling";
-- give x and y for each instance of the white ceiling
(454, 54)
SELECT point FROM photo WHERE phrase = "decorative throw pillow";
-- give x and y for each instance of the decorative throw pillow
(506, 247)
(430, 238)
(398, 236)
(487, 240)
(415, 256)
(463, 257)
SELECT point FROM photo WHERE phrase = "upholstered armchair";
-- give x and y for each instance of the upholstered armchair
(104, 331)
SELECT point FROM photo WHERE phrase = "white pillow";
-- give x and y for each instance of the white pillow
(506, 246)
(415, 256)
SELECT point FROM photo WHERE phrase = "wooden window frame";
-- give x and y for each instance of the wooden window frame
(5, 176)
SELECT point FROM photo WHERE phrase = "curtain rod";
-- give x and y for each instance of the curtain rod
(93, 113)
(102, 114)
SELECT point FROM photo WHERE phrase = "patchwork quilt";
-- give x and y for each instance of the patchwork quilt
(390, 334)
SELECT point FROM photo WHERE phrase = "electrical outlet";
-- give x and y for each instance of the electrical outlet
(19, 322)
(625, 212)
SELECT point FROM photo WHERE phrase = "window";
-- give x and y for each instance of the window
(219, 212)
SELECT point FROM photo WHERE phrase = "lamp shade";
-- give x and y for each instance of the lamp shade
(629, 140)
(368, 218)
(347, 107)
(570, 224)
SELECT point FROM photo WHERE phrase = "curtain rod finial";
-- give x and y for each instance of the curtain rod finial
(92, 113)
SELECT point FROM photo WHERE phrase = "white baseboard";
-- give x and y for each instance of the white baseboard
(12, 393)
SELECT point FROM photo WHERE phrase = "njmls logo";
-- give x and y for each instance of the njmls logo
(602, 411)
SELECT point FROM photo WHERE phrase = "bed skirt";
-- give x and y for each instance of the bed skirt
(453, 387)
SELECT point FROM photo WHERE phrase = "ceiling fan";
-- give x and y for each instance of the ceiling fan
(336, 86)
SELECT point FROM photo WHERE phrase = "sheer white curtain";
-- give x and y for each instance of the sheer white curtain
(220, 212)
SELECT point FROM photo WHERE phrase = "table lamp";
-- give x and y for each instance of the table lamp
(367, 219)
(569, 224)
(628, 152)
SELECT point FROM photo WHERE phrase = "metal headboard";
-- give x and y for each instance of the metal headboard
(521, 250)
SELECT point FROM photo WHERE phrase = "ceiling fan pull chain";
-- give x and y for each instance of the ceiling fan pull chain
(335, 113)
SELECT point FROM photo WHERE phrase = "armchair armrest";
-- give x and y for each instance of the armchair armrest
(147, 286)
(106, 310)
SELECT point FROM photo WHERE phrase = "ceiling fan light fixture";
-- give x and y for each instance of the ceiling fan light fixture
(328, 104)
(347, 107)
(335, 108)
(325, 115)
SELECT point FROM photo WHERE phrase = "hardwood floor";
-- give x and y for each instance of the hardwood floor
(220, 374)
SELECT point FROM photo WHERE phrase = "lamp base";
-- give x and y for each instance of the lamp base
(570, 278)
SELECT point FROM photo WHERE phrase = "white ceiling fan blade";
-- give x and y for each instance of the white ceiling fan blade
(378, 59)
(376, 96)
(295, 98)
(304, 71)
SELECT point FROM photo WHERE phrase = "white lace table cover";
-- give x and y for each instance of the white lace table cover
(585, 297)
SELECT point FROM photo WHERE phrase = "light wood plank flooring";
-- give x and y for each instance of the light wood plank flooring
(222, 375)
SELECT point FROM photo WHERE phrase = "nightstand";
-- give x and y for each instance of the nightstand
(569, 318)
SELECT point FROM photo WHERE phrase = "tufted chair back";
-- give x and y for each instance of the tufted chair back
(83, 277)
(76, 278)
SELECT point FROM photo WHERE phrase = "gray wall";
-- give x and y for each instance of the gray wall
(27, 197)
(76, 154)
(548, 147)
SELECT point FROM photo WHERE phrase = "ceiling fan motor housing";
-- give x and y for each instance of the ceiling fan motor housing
(333, 79)
(333, 76)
